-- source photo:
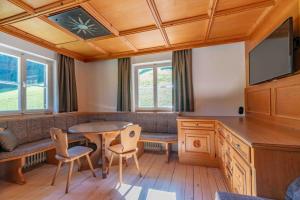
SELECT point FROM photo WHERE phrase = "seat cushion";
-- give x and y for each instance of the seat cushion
(38, 146)
(231, 196)
(118, 148)
(75, 152)
(158, 136)
(8, 140)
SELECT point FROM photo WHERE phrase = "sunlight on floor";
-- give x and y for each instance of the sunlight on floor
(160, 195)
(133, 192)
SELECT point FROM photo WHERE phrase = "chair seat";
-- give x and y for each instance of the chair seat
(75, 152)
(118, 148)
(164, 137)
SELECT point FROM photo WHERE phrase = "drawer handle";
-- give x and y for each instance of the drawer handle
(197, 143)
(238, 146)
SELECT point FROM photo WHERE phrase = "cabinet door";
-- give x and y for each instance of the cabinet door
(241, 175)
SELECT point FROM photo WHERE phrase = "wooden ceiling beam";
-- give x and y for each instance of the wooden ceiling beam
(181, 46)
(211, 12)
(245, 8)
(138, 30)
(38, 41)
(158, 21)
(185, 20)
(44, 10)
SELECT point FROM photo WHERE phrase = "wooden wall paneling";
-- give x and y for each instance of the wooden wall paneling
(258, 101)
(187, 32)
(158, 21)
(235, 24)
(8, 9)
(275, 170)
(175, 10)
(286, 98)
(21, 4)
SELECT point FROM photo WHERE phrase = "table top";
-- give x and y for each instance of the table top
(99, 127)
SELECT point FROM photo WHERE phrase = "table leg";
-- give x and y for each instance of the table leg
(103, 156)
(96, 139)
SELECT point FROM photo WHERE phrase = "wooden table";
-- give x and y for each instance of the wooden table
(101, 133)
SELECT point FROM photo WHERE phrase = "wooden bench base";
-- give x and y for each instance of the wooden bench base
(167, 144)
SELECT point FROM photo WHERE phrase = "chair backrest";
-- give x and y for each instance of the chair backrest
(60, 140)
(129, 137)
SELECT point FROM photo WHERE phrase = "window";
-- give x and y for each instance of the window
(24, 83)
(153, 86)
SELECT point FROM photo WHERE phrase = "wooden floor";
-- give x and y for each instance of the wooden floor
(160, 181)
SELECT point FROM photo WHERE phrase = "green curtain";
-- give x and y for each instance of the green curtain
(66, 84)
(124, 85)
(183, 96)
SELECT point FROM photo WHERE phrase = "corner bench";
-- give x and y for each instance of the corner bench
(13, 162)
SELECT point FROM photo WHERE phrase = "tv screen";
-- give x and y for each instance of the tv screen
(273, 57)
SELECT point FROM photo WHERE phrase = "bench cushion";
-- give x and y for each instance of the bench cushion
(32, 147)
(231, 196)
(164, 137)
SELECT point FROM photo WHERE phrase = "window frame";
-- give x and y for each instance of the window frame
(154, 66)
(22, 57)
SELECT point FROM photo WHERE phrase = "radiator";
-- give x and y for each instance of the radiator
(153, 146)
(35, 159)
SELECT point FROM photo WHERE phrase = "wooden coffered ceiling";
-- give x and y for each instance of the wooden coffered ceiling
(137, 26)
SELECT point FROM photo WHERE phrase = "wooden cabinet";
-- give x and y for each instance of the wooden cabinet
(197, 142)
(241, 175)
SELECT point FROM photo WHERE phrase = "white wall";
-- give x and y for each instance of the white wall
(218, 76)
(219, 79)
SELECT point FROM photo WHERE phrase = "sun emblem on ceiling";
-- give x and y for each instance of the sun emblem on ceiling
(86, 27)
(80, 22)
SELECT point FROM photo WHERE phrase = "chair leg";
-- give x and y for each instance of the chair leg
(56, 172)
(69, 176)
(168, 151)
(110, 161)
(90, 165)
(120, 169)
(79, 164)
(137, 164)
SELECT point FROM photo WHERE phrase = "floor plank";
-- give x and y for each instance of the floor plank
(160, 180)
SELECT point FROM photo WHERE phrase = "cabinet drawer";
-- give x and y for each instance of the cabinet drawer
(241, 147)
(197, 143)
(241, 176)
(225, 133)
(198, 124)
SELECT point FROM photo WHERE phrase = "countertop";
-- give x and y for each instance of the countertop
(255, 132)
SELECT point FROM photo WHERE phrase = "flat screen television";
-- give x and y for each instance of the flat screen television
(273, 57)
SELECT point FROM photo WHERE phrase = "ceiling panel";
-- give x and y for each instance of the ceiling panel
(178, 9)
(187, 32)
(39, 3)
(146, 39)
(8, 9)
(226, 4)
(81, 48)
(112, 45)
(235, 24)
(124, 15)
(41, 29)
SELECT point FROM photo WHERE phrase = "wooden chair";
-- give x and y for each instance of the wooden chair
(65, 155)
(127, 148)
